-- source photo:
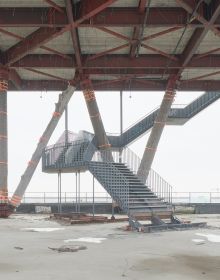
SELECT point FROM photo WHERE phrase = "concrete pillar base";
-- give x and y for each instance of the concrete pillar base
(6, 210)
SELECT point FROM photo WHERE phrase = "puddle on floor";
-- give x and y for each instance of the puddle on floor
(42, 229)
(97, 240)
(211, 237)
(192, 267)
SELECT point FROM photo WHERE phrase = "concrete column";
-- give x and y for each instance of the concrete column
(99, 130)
(156, 132)
(3, 142)
(32, 164)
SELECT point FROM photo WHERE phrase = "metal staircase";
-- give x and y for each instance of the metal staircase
(116, 168)
(177, 116)
(117, 174)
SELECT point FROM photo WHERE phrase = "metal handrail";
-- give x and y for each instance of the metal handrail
(155, 182)
(104, 197)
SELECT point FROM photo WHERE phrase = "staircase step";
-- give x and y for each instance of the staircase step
(145, 207)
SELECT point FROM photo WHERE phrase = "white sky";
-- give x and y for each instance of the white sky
(188, 156)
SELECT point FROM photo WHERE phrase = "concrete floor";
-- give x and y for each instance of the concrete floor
(122, 255)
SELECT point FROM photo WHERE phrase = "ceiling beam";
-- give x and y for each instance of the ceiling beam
(55, 6)
(115, 62)
(58, 85)
(28, 44)
(44, 35)
(207, 24)
(46, 74)
(14, 35)
(196, 38)
(142, 5)
(74, 35)
(110, 17)
(137, 32)
(15, 79)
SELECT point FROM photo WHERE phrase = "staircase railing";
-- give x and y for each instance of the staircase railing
(64, 155)
(114, 182)
(155, 182)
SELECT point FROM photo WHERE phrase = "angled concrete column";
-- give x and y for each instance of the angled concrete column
(32, 165)
(157, 129)
(99, 130)
(3, 142)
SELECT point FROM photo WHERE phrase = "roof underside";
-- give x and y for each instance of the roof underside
(118, 44)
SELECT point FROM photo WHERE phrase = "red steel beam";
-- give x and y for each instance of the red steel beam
(152, 36)
(204, 76)
(160, 17)
(45, 74)
(128, 71)
(159, 52)
(137, 30)
(116, 34)
(207, 24)
(161, 33)
(142, 6)
(206, 53)
(197, 37)
(55, 6)
(15, 79)
(11, 34)
(115, 62)
(43, 35)
(110, 17)
(108, 51)
(74, 35)
(136, 39)
(28, 44)
(58, 85)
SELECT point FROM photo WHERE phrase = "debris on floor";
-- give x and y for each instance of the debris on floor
(83, 218)
(18, 248)
(69, 248)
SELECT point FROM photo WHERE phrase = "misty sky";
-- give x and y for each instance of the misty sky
(188, 156)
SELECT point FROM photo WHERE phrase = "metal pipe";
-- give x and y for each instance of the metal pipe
(66, 125)
(93, 196)
(76, 203)
(79, 193)
(121, 123)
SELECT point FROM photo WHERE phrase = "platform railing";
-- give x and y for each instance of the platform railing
(64, 155)
(104, 197)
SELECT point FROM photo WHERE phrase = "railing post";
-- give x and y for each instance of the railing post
(189, 197)
(44, 197)
(210, 197)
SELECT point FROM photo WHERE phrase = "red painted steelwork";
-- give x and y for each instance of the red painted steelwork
(110, 17)
(159, 52)
(107, 51)
(45, 74)
(142, 6)
(15, 79)
(115, 62)
(55, 6)
(74, 35)
(28, 44)
(135, 84)
(11, 34)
